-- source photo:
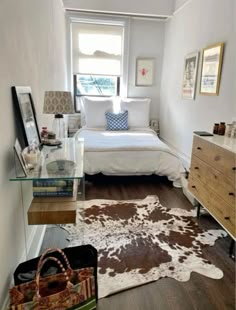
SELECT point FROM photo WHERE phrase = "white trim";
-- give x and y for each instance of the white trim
(186, 159)
(117, 14)
(92, 20)
(34, 250)
(62, 4)
(69, 53)
(126, 54)
(155, 19)
(180, 8)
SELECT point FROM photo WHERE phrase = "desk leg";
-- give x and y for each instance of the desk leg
(83, 189)
(198, 210)
(24, 222)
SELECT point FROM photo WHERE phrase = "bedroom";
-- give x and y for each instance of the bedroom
(33, 52)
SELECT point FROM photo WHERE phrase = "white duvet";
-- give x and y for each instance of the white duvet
(131, 152)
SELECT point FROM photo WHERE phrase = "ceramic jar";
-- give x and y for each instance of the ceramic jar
(216, 128)
(221, 130)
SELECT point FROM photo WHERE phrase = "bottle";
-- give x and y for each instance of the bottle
(233, 132)
(216, 128)
(228, 130)
(221, 130)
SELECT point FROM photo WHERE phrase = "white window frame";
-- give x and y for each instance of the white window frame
(106, 20)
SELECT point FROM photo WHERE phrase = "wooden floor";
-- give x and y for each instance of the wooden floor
(199, 292)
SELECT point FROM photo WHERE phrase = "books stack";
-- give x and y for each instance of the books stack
(53, 188)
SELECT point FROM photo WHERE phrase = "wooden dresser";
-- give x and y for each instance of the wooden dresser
(212, 178)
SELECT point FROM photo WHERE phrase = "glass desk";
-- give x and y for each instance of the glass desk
(57, 162)
(64, 162)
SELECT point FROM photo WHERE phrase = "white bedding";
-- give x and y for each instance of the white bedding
(131, 152)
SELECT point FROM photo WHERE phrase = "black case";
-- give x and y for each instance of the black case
(79, 257)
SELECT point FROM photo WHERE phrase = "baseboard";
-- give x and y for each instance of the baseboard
(34, 244)
(185, 159)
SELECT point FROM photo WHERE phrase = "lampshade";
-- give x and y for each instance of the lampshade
(58, 102)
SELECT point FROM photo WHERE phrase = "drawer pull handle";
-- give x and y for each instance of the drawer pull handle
(234, 168)
(193, 186)
(196, 168)
(199, 148)
(227, 217)
(231, 194)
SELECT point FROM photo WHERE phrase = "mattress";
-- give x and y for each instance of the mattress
(130, 152)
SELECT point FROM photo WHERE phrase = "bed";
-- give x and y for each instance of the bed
(136, 151)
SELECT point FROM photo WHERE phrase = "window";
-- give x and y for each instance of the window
(96, 85)
(97, 58)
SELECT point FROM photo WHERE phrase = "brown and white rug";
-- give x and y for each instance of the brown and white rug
(139, 241)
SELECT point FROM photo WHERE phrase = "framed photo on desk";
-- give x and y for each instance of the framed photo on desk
(21, 170)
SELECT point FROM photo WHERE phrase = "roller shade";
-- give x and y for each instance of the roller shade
(97, 49)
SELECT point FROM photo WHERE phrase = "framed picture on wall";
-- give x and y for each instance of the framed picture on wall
(25, 109)
(190, 76)
(144, 72)
(212, 58)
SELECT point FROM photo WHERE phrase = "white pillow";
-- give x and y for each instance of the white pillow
(94, 109)
(138, 111)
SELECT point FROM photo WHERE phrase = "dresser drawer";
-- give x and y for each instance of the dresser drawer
(221, 185)
(221, 159)
(223, 213)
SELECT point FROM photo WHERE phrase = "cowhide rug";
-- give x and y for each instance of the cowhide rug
(139, 241)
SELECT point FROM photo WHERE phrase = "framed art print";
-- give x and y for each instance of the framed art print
(23, 101)
(144, 71)
(21, 170)
(190, 76)
(212, 58)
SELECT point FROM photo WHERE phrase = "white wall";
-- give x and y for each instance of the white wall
(234, 49)
(146, 40)
(199, 24)
(32, 52)
(148, 7)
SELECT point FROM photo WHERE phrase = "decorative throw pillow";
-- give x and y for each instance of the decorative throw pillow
(138, 109)
(94, 109)
(117, 121)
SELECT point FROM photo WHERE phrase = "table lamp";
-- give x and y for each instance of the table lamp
(58, 103)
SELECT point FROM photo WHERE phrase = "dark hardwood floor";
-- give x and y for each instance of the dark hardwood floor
(199, 292)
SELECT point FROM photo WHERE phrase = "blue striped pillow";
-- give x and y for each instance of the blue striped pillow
(117, 121)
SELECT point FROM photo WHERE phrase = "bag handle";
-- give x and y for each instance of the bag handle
(40, 266)
(49, 250)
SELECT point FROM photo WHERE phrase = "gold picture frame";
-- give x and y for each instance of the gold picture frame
(212, 59)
